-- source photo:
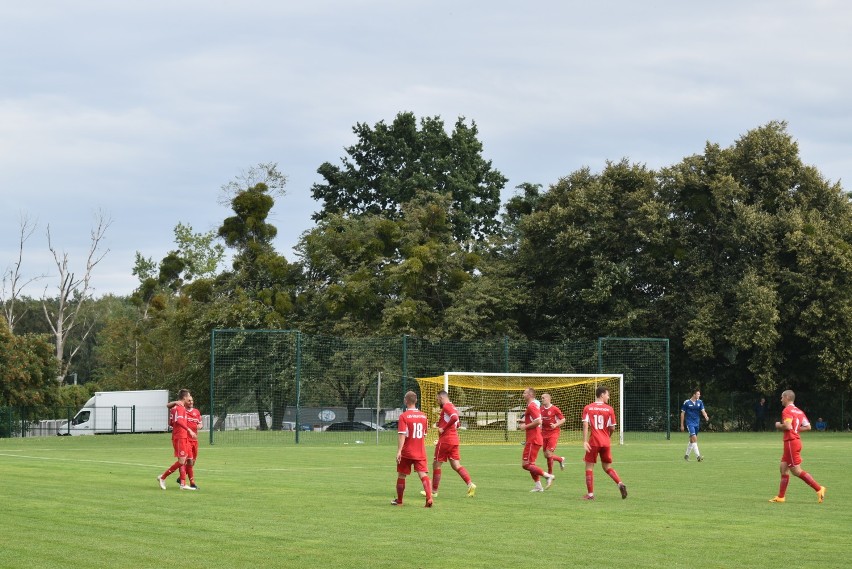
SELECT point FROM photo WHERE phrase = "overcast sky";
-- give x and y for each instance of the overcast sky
(143, 110)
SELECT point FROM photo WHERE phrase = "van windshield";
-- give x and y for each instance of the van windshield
(82, 417)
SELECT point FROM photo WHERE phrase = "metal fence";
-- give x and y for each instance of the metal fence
(346, 390)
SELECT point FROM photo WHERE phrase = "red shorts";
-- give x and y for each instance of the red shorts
(604, 452)
(531, 452)
(404, 465)
(446, 451)
(551, 439)
(792, 452)
(193, 448)
(181, 446)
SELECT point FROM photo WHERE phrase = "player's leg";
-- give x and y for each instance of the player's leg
(591, 458)
(423, 473)
(528, 464)
(606, 463)
(403, 469)
(796, 468)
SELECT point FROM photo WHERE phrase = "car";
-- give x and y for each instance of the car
(391, 425)
(353, 426)
(291, 426)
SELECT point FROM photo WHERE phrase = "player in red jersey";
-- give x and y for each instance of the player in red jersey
(598, 425)
(181, 434)
(532, 425)
(193, 420)
(447, 448)
(792, 421)
(551, 420)
(411, 449)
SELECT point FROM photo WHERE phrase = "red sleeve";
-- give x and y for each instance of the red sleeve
(179, 417)
(449, 409)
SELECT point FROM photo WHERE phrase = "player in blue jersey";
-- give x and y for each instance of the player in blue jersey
(690, 415)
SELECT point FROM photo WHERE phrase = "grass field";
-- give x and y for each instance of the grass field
(94, 502)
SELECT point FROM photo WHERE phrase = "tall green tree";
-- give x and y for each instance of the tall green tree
(391, 164)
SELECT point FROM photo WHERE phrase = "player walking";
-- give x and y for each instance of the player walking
(532, 426)
(194, 422)
(411, 449)
(181, 434)
(690, 413)
(792, 421)
(447, 448)
(598, 425)
(551, 420)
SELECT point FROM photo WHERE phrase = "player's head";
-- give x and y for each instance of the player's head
(529, 393)
(602, 393)
(443, 397)
(410, 399)
(696, 393)
(189, 402)
(545, 399)
(184, 394)
(788, 397)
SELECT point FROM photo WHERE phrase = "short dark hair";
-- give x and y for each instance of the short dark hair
(601, 390)
(444, 393)
(410, 398)
(183, 393)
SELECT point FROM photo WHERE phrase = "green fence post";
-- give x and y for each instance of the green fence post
(212, 391)
(298, 383)
(133, 419)
(404, 362)
(668, 395)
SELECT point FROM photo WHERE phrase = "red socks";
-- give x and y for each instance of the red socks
(590, 481)
(462, 472)
(400, 489)
(782, 490)
(436, 479)
(534, 471)
(809, 480)
(427, 486)
(171, 469)
(614, 475)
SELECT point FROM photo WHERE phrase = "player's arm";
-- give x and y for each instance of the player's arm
(586, 434)
(400, 440)
(682, 415)
(171, 404)
(559, 422)
(703, 412)
(786, 425)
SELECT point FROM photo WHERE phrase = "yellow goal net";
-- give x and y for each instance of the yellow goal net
(490, 405)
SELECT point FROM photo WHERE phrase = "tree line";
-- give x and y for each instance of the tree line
(740, 255)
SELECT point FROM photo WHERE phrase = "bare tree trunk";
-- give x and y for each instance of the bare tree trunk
(12, 276)
(73, 294)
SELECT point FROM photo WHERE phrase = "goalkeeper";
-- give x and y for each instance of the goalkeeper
(447, 447)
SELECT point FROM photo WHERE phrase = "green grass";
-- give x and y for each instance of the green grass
(94, 502)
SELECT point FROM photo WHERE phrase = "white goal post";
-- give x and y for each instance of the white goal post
(490, 404)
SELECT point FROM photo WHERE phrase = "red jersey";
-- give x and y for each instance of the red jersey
(449, 422)
(177, 419)
(549, 416)
(413, 424)
(531, 414)
(601, 419)
(193, 419)
(797, 418)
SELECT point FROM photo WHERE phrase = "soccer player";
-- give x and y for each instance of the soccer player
(551, 420)
(690, 413)
(194, 421)
(598, 425)
(792, 421)
(532, 425)
(411, 449)
(447, 448)
(181, 434)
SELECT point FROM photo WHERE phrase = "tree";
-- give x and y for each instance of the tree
(73, 293)
(587, 252)
(392, 164)
(27, 368)
(13, 281)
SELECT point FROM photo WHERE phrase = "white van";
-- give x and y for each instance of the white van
(112, 412)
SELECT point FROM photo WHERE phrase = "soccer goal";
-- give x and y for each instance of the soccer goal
(490, 405)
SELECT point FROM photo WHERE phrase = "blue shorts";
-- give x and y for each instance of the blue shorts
(692, 429)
